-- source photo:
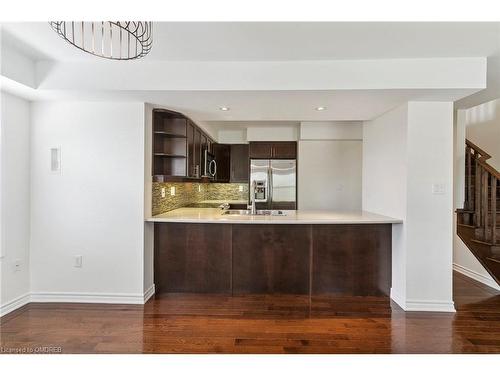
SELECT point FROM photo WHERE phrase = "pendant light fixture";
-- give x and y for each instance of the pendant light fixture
(112, 40)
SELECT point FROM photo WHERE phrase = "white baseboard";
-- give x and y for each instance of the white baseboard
(149, 293)
(118, 298)
(398, 299)
(14, 304)
(431, 306)
(422, 305)
(486, 280)
(125, 298)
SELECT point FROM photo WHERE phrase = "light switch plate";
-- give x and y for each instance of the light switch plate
(438, 189)
(163, 192)
(240, 188)
(172, 190)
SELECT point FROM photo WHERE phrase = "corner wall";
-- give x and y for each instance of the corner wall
(15, 202)
(407, 173)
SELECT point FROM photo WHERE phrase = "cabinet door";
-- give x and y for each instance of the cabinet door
(197, 152)
(222, 158)
(261, 150)
(191, 150)
(239, 163)
(284, 150)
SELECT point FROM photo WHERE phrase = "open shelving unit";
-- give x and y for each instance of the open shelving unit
(169, 144)
(178, 147)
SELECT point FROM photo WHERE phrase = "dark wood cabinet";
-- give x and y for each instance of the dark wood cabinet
(306, 259)
(273, 150)
(261, 150)
(222, 157)
(271, 259)
(284, 150)
(239, 163)
(352, 260)
(178, 145)
(192, 258)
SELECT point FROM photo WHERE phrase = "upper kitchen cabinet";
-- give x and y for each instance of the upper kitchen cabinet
(222, 156)
(273, 150)
(239, 163)
(178, 145)
(261, 150)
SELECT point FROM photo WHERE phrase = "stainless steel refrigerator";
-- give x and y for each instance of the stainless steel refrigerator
(275, 183)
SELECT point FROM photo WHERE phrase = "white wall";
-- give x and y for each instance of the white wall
(232, 135)
(483, 128)
(94, 207)
(481, 125)
(272, 133)
(15, 201)
(329, 165)
(384, 188)
(407, 152)
(329, 175)
(347, 130)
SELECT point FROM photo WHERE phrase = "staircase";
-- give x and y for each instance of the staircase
(479, 221)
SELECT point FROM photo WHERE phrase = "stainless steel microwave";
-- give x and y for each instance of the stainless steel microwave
(209, 165)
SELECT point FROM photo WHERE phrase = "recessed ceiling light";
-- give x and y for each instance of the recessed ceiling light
(224, 108)
(320, 108)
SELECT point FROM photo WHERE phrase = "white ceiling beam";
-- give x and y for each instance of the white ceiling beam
(435, 73)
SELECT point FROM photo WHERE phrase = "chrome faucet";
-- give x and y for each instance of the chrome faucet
(251, 207)
(224, 206)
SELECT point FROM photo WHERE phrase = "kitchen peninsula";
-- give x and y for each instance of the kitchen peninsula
(203, 250)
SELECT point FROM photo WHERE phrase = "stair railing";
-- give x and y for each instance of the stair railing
(481, 196)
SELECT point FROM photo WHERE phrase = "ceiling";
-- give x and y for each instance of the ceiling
(280, 41)
(258, 42)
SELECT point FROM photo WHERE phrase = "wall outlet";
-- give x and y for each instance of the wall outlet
(78, 261)
(172, 190)
(240, 188)
(17, 265)
(163, 192)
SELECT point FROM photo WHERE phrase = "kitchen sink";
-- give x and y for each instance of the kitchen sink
(259, 213)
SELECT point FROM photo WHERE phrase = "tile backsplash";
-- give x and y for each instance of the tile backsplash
(190, 192)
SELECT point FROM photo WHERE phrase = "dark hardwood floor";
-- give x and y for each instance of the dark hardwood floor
(183, 323)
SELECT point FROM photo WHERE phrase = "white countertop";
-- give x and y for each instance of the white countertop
(214, 215)
(221, 201)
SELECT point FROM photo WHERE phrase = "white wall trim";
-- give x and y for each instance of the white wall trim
(149, 293)
(488, 281)
(126, 298)
(430, 306)
(398, 299)
(423, 305)
(14, 304)
(118, 298)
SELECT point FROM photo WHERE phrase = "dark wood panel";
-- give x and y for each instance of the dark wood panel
(240, 163)
(271, 259)
(352, 260)
(261, 150)
(192, 258)
(222, 157)
(284, 150)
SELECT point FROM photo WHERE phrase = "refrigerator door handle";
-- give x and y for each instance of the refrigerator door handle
(271, 186)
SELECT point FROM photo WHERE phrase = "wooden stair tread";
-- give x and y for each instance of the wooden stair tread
(494, 259)
(482, 242)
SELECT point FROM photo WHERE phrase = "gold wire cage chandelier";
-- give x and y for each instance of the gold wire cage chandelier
(112, 40)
